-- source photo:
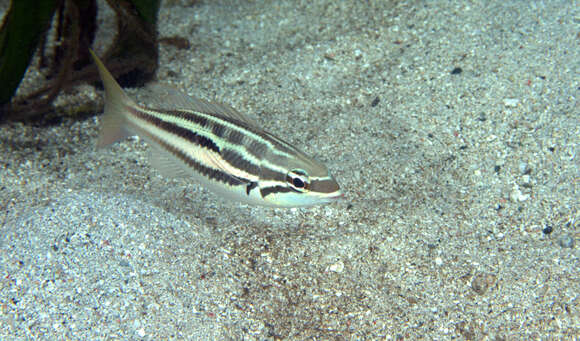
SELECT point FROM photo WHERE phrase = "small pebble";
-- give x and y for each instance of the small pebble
(517, 195)
(566, 241)
(456, 71)
(336, 267)
(482, 282)
(511, 102)
(526, 181)
(524, 168)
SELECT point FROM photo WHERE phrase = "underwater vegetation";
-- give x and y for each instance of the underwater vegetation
(61, 32)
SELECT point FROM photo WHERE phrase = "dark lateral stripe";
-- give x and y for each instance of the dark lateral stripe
(218, 124)
(222, 132)
(187, 134)
(230, 134)
(218, 130)
(234, 159)
(273, 190)
(208, 172)
(235, 137)
(231, 138)
(268, 174)
(186, 115)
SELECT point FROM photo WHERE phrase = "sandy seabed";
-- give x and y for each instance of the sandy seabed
(453, 128)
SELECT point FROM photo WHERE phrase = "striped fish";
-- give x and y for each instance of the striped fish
(218, 146)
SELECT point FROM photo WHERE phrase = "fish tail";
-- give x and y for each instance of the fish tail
(114, 121)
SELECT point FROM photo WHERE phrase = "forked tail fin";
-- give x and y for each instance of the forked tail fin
(113, 123)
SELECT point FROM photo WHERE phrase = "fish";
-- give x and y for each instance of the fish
(216, 145)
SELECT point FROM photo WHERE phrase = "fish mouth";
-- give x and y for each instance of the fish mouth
(335, 197)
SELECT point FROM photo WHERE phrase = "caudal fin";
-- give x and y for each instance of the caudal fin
(113, 122)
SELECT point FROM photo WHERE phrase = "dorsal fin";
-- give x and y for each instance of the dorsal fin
(167, 97)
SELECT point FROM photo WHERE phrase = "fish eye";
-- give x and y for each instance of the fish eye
(298, 180)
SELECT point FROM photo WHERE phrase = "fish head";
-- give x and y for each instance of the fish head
(297, 181)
